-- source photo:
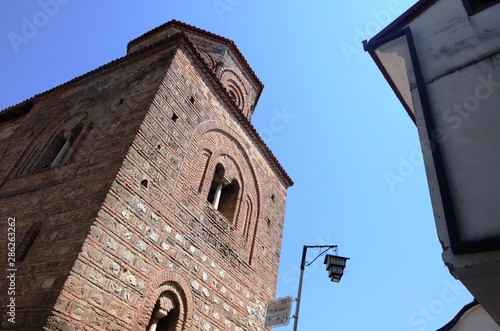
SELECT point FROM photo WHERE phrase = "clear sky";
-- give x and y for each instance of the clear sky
(326, 112)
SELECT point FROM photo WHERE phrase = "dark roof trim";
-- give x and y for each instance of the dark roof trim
(437, 156)
(451, 324)
(405, 18)
(395, 30)
(427, 118)
(17, 110)
(471, 11)
(442, 178)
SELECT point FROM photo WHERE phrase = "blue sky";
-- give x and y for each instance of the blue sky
(343, 137)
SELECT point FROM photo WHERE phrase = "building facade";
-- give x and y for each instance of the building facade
(141, 196)
(442, 59)
(472, 317)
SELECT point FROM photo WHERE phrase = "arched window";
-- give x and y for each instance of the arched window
(58, 148)
(215, 187)
(52, 151)
(166, 313)
(170, 311)
(223, 194)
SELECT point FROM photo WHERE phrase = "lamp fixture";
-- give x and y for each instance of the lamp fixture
(335, 266)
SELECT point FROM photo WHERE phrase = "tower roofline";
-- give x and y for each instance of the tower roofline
(25, 106)
(269, 155)
(185, 30)
(207, 34)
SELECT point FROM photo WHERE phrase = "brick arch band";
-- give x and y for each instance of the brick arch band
(199, 145)
(196, 143)
(236, 88)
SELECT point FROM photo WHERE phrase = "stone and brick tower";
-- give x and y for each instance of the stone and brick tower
(143, 197)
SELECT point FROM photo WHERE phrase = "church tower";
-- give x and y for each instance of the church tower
(141, 196)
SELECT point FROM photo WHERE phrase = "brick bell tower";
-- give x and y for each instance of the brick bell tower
(142, 196)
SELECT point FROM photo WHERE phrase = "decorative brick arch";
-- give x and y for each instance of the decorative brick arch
(203, 167)
(198, 143)
(209, 61)
(235, 87)
(178, 289)
(224, 156)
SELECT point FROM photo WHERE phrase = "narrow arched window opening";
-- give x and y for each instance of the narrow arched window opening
(166, 313)
(58, 148)
(216, 186)
(228, 199)
(52, 151)
(223, 194)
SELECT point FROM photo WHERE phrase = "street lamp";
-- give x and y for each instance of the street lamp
(334, 265)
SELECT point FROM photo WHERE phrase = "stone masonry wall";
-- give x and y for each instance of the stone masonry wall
(54, 207)
(157, 228)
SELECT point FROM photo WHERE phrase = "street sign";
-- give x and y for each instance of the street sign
(278, 312)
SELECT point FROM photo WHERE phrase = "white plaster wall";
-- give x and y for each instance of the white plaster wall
(466, 109)
(459, 56)
(460, 60)
(448, 38)
(476, 319)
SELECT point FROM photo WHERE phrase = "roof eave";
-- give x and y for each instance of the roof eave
(370, 48)
(195, 30)
(404, 19)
